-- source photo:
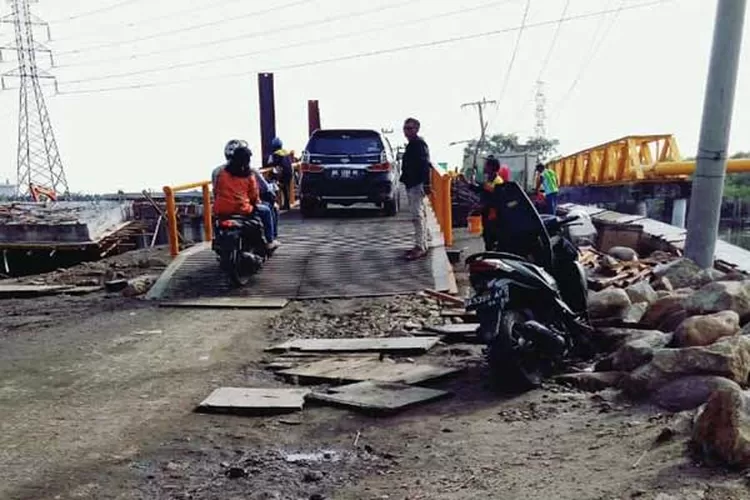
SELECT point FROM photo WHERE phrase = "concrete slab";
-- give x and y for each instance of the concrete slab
(347, 370)
(240, 400)
(377, 397)
(61, 222)
(390, 344)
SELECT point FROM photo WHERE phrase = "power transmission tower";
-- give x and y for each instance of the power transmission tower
(540, 129)
(39, 162)
(480, 105)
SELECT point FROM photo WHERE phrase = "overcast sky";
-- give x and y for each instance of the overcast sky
(638, 71)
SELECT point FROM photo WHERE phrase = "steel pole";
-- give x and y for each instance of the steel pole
(708, 181)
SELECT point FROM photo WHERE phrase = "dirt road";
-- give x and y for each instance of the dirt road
(96, 399)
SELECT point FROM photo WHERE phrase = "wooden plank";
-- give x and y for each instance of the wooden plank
(11, 291)
(348, 370)
(452, 330)
(388, 344)
(242, 400)
(229, 303)
(378, 397)
(444, 297)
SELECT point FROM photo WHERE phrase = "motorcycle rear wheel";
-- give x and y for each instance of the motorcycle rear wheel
(512, 369)
(230, 263)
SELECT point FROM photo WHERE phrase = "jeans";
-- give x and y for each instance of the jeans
(265, 213)
(418, 209)
(551, 201)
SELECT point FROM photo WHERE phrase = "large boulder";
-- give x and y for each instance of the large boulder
(637, 350)
(705, 330)
(635, 313)
(689, 392)
(667, 313)
(729, 358)
(721, 296)
(680, 272)
(642, 291)
(608, 303)
(611, 339)
(707, 276)
(626, 254)
(591, 381)
(722, 428)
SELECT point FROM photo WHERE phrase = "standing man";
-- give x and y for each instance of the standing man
(415, 174)
(547, 180)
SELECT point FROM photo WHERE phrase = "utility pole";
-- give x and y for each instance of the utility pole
(39, 162)
(708, 180)
(480, 105)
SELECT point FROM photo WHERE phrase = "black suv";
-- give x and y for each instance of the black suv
(348, 166)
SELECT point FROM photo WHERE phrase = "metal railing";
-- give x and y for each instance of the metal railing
(172, 231)
(440, 197)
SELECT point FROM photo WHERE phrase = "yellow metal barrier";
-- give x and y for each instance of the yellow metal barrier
(440, 197)
(169, 192)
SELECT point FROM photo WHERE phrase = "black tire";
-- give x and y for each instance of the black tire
(509, 369)
(308, 208)
(390, 207)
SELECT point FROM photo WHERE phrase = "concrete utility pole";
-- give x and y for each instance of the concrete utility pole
(708, 180)
(480, 105)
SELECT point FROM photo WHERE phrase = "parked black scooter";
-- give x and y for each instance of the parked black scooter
(530, 292)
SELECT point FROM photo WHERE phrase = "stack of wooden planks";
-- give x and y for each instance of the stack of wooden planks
(604, 271)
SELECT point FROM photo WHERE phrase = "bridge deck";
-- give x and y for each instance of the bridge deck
(346, 253)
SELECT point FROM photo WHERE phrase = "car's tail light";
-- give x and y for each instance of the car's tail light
(310, 168)
(380, 167)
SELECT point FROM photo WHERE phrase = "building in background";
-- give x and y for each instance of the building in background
(7, 190)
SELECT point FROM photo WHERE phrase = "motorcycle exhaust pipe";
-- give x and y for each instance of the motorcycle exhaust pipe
(548, 340)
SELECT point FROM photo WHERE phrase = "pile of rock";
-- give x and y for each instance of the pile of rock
(685, 349)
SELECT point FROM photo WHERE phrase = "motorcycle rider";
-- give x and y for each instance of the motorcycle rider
(281, 161)
(236, 189)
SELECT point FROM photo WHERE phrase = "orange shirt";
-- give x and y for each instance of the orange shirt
(235, 195)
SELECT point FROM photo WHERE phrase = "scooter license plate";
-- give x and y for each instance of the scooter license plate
(495, 296)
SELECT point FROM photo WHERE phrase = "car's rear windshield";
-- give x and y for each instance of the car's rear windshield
(345, 142)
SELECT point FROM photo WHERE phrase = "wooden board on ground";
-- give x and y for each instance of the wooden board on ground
(348, 370)
(242, 400)
(386, 344)
(454, 330)
(377, 397)
(467, 316)
(229, 303)
(17, 291)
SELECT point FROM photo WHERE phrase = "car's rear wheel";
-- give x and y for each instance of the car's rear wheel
(308, 207)
(390, 207)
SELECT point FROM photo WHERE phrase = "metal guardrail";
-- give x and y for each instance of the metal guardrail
(442, 204)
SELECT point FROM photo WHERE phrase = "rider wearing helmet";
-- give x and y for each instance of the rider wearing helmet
(236, 189)
(281, 162)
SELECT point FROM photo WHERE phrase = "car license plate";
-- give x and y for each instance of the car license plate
(345, 173)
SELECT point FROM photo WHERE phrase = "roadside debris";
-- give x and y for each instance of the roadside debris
(254, 401)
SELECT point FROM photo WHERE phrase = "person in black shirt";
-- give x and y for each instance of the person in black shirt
(415, 175)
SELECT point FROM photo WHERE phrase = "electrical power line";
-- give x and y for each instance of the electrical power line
(92, 12)
(362, 55)
(147, 20)
(305, 43)
(187, 28)
(506, 79)
(592, 54)
(272, 31)
(548, 57)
